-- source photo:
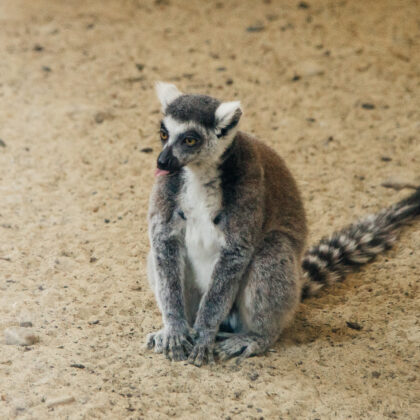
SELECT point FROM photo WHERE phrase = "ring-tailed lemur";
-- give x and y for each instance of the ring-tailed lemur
(228, 229)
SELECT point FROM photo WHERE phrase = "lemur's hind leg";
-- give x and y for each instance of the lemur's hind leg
(268, 300)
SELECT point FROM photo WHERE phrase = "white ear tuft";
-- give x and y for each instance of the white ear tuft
(166, 93)
(227, 116)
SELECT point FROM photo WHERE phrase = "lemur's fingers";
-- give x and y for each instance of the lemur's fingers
(150, 341)
(192, 355)
(223, 355)
(200, 354)
(169, 344)
(200, 357)
(210, 356)
(158, 343)
(187, 345)
(245, 354)
(177, 351)
(196, 356)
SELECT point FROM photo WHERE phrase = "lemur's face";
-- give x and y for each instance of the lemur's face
(195, 129)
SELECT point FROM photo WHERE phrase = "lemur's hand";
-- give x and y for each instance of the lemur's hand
(174, 341)
(203, 349)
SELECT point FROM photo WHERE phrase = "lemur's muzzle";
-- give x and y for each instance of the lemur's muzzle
(167, 162)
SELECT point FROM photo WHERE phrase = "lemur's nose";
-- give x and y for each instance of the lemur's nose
(167, 161)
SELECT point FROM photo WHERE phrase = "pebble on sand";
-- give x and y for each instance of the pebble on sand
(60, 401)
(354, 325)
(100, 117)
(309, 68)
(255, 28)
(20, 336)
(397, 183)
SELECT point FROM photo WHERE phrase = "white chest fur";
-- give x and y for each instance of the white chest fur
(201, 203)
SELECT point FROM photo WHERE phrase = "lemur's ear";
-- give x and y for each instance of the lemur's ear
(166, 93)
(227, 117)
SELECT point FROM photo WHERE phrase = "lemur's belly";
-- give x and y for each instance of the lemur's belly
(203, 241)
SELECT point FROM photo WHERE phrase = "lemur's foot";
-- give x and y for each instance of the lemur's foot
(240, 346)
(174, 344)
(203, 350)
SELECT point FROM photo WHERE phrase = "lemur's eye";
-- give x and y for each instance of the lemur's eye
(190, 141)
(163, 135)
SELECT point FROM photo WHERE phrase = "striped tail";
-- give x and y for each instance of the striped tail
(357, 244)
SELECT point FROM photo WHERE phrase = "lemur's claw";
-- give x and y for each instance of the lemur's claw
(174, 345)
(202, 352)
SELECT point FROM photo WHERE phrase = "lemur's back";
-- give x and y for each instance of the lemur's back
(283, 205)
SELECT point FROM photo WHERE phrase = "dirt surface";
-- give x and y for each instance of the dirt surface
(333, 86)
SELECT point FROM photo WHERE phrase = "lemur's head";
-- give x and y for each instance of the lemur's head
(195, 129)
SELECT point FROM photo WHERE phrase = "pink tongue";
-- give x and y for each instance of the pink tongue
(160, 172)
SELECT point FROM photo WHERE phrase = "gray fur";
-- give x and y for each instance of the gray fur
(255, 284)
(227, 230)
(198, 108)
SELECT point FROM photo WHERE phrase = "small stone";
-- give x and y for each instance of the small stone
(188, 76)
(47, 69)
(2, 143)
(271, 17)
(60, 401)
(295, 78)
(303, 5)
(95, 322)
(21, 404)
(77, 366)
(106, 220)
(221, 68)
(328, 140)
(135, 79)
(386, 159)
(20, 336)
(367, 105)
(255, 28)
(139, 66)
(229, 81)
(237, 394)
(26, 324)
(376, 374)
(146, 150)
(253, 376)
(100, 117)
(309, 68)
(354, 325)
(399, 184)
(93, 259)
(38, 48)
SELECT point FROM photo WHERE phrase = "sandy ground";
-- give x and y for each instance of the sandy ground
(333, 87)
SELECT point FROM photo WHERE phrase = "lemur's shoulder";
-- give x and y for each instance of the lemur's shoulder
(282, 200)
